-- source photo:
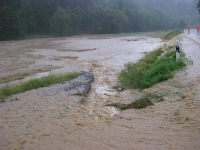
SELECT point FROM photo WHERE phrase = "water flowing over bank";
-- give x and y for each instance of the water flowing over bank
(41, 119)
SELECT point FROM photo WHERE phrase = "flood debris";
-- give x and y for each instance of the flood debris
(78, 86)
(81, 85)
(138, 104)
(118, 88)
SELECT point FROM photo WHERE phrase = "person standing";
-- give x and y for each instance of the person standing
(188, 29)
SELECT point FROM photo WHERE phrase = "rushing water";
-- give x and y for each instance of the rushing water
(32, 121)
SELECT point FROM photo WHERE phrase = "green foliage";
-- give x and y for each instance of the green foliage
(172, 34)
(68, 17)
(162, 69)
(114, 21)
(60, 23)
(95, 19)
(132, 75)
(78, 15)
(34, 84)
(12, 25)
(27, 12)
(150, 70)
(105, 20)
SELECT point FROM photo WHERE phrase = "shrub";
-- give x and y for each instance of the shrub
(132, 75)
(150, 70)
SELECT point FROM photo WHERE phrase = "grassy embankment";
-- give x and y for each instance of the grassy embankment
(151, 69)
(155, 67)
(172, 34)
(34, 84)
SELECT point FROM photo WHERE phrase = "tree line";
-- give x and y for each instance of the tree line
(69, 17)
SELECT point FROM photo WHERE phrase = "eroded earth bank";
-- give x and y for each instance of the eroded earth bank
(56, 118)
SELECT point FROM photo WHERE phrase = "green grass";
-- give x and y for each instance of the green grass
(133, 72)
(34, 84)
(150, 70)
(172, 34)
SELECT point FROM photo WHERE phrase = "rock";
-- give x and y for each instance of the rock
(78, 86)
(81, 85)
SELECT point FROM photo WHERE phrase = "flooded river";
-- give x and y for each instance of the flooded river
(33, 120)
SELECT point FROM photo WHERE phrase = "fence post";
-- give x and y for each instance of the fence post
(177, 52)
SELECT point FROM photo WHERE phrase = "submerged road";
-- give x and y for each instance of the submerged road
(194, 36)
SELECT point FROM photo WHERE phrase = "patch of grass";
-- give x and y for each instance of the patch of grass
(172, 34)
(34, 84)
(162, 69)
(132, 74)
(138, 104)
(150, 70)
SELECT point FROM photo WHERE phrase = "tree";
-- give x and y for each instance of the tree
(28, 15)
(60, 23)
(42, 15)
(115, 20)
(95, 19)
(12, 25)
(77, 22)
(198, 6)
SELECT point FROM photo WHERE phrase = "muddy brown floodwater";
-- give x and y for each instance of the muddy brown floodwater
(39, 121)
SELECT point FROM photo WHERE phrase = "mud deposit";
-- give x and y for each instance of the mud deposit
(65, 116)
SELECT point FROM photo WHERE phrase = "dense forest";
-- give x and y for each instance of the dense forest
(68, 17)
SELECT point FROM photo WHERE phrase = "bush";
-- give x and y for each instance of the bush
(150, 70)
(162, 69)
(132, 75)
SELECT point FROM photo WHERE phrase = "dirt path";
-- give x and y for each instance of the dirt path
(64, 121)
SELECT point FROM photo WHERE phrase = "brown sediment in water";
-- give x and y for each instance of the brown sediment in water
(33, 120)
